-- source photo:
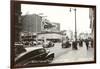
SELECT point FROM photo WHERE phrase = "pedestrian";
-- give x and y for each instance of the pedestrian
(87, 43)
(80, 43)
(92, 43)
(74, 45)
(67, 44)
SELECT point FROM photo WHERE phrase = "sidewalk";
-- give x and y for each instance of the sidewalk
(82, 54)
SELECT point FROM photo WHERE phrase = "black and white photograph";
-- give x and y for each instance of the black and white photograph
(49, 34)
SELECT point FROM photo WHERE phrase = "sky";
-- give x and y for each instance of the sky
(62, 15)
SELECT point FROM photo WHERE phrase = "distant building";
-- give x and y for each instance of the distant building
(84, 35)
(31, 23)
(50, 36)
(92, 21)
(43, 28)
(92, 17)
(35, 23)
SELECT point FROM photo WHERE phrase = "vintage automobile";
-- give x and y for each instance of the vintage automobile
(66, 44)
(48, 44)
(33, 56)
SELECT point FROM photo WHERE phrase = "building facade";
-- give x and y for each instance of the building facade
(92, 21)
(31, 23)
(50, 36)
(43, 28)
(35, 23)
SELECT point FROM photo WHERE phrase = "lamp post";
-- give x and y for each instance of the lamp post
(75, 22)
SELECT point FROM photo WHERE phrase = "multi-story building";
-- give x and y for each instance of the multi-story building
(43, 28)
(31, 23)
(35, 23)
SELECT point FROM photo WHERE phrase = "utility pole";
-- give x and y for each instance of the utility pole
(75, 23)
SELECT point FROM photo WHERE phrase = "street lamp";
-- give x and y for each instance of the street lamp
(74, 9)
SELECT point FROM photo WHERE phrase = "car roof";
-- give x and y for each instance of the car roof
(29, 49)
(32, 48)
(18, 44)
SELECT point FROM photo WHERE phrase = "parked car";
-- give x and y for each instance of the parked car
(34, 43)
(34, 55)
(48, 44)
(66, 44)
(39, 42)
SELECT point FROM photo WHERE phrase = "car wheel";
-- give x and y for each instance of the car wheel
(49, 59)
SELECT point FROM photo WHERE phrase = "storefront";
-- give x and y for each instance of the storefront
(50, 36)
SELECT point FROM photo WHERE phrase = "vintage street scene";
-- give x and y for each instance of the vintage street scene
(51, 34)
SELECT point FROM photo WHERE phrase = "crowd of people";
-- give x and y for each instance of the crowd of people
(88, 43)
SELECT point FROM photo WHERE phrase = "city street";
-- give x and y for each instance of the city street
(65, 55)
(58, 50)
(68, 55)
